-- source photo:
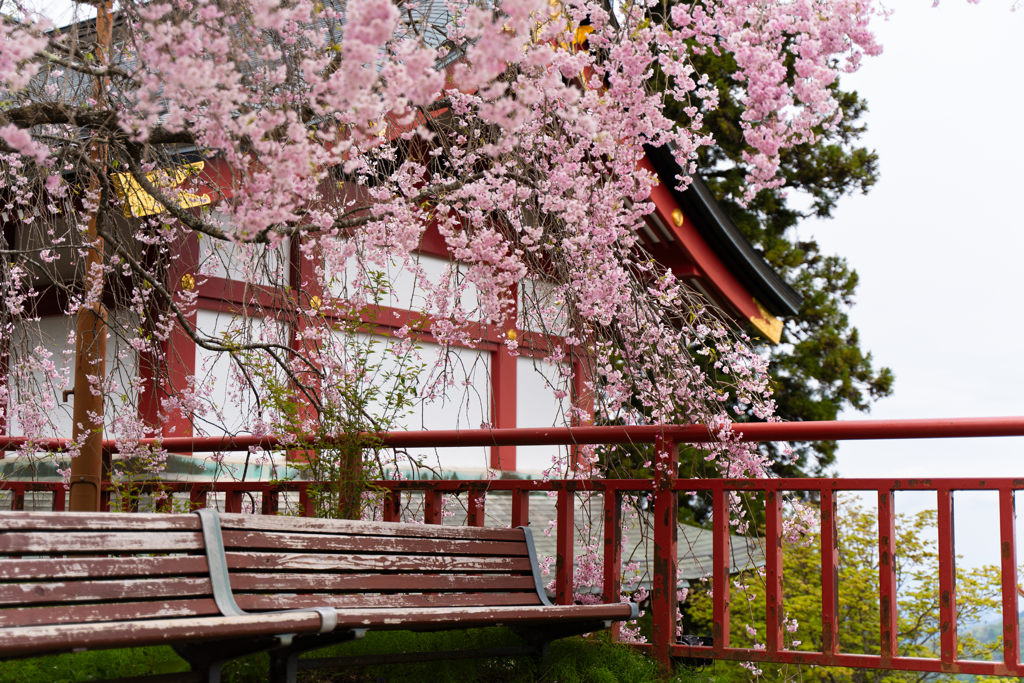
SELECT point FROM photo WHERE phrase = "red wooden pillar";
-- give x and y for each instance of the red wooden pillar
(947, 580)
(310, 296)
(167, 371)
(887, 605)
(504, 382)
(775, 612)
(1008, 570)
(666, 503)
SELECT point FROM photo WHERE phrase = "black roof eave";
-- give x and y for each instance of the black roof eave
(725, 238)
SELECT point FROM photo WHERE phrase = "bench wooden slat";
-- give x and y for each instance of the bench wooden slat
(107, 591)
(120, 590)
(64, 638)
(39, 543)
(117, 521)
(262, 540)
(371, 583)
(166, 609)
(94, 542)
(342, 526)
(125, 567)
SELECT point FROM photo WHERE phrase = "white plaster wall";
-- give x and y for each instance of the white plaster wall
(538, 406)
(407, 290)
(452, 392)
(229, 404)
(51, 335)
(266, 265)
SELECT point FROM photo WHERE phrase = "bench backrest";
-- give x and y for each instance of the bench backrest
(94, 567)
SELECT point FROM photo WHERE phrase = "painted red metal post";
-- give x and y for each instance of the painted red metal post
(888, 610)
(721, 564)
(775, 613)
(829, 575)
(433, 507)
(520, 507)
(666, 513)
(1008, 570)
(613, 551)
(566, 528)
(947, 580)
(475, 507)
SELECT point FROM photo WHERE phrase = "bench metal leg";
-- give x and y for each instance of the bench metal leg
(541, 635)
(284, 662)
(209, 657)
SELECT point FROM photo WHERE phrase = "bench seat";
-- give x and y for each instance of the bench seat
(221, 586)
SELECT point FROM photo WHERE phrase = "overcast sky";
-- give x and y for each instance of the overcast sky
(938, 244)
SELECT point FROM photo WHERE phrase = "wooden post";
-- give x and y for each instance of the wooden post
(91, 338)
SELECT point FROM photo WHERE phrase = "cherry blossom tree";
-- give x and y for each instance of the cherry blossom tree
(317, 143)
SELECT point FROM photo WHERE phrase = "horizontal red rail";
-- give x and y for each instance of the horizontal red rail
(838, 430)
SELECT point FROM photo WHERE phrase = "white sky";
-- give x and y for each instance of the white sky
(938, 244)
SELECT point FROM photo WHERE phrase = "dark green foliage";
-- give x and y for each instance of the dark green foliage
(819, 368)
(572, 660)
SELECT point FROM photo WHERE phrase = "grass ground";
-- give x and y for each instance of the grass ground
(572, 660)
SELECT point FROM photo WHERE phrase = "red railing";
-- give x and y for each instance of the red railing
(665, 489)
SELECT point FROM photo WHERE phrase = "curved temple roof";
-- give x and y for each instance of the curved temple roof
(705, 247)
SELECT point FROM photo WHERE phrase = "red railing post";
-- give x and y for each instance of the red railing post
(197, 497)
(721, 564)
(233, 501)
(1008, 572)
(947, 581)
(307, 503)
(829, 575)
(392, 506)
(59, 501)
(774, 640)
(613, 551)
(663, 597)
(566, 527)
(475, 507)
(433, 505)
(520, 507)
(888, 611)
(270, 502)
(18, 497)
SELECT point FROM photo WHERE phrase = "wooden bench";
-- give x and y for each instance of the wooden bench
(219, 587)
